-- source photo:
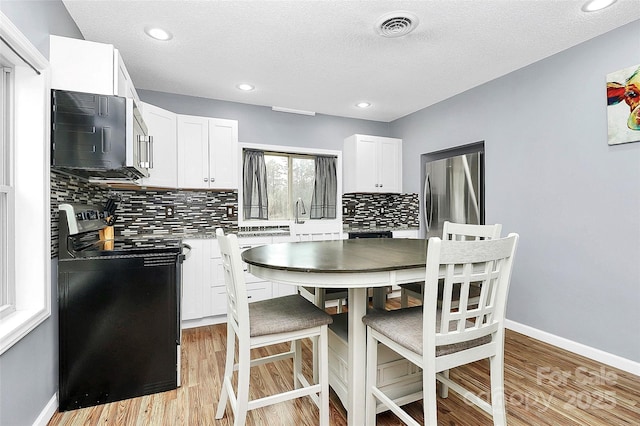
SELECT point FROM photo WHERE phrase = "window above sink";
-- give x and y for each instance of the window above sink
(287, 174)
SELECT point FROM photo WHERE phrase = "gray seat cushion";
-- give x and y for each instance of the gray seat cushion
(404, 326)
(285, 314)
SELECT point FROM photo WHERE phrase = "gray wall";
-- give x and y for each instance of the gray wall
(551, 177)
(38, 19)
(259, 124)
(29, 369)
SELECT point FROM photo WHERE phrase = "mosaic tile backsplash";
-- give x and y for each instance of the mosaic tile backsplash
(145, 212)
(365, 211)
(200, 212)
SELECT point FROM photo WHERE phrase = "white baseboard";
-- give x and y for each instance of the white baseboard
(47, 412)
(578, 348)
(202, 322)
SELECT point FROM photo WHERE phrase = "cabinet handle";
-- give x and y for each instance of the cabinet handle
(213, 179)
(150, 152)
(206, 179)
(380, 185)
(139, 149)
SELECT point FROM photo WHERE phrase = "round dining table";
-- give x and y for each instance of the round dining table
(355, 264)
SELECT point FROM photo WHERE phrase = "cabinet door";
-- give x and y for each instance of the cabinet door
(81, 66)
(193, 152)
(195, 273)
(372, 164)
(218, 300)
(389, 166)
(366, 165)
(223, 147)
(162, 125)
(217, 289)
(408, 233)
(123, 85)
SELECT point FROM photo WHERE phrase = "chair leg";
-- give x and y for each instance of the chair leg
(324, 376)
(497, 390)
(296, 348)
(371, 379)
(429, 401)
(404, 299)
(314, 358)
(244, 366)
(444, 389)
(228, 372)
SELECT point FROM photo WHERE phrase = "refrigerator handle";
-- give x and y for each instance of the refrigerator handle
(428, 203)
(472, 190)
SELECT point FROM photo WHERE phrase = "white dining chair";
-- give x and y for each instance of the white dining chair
(268, 322)
(457, 232)
(439, 338)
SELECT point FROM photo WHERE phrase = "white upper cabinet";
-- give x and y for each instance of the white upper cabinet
(207, 152)
(86, 66)
(123, 84)
(193, 152)
(162, 126)
(223, 153)
(372, 164)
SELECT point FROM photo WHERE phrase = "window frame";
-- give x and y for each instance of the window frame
(290, 159)
(30, 243)
(291, 151)
(7, 200)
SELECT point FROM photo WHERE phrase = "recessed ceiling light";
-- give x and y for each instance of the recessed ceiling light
(158, 33)
(245, 87)
(363, 104)
(593, 5)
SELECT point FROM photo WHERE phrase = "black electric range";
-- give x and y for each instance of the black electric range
(119, 311)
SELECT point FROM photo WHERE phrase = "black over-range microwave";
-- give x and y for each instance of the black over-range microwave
(99, 136)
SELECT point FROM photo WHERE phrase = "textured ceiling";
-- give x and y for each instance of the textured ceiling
(325, 56)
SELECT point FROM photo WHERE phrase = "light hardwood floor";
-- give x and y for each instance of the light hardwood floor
(544, 385)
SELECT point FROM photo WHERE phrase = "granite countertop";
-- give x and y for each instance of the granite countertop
(206, 235)
(247, 232)
(379, 229)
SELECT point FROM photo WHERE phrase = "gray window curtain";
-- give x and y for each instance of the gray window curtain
(325, 190)
(254, 176)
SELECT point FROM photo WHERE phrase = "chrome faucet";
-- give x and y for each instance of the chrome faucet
(299, 203)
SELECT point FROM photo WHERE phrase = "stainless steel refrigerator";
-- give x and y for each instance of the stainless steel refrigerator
(453, 188)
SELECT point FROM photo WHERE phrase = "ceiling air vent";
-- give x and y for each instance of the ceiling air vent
(396, 24)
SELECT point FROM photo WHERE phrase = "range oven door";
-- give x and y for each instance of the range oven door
(119, 328)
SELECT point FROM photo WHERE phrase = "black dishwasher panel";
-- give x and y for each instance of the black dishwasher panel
(118, 330)
(370, 234)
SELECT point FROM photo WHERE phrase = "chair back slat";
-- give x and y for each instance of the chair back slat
(466, 232)
(459, 265)
(237, 301)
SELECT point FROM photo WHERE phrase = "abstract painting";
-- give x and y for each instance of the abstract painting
(623, 105)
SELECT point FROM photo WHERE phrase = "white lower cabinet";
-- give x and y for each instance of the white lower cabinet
(406, 233)
(204, 297)
(195, 273)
